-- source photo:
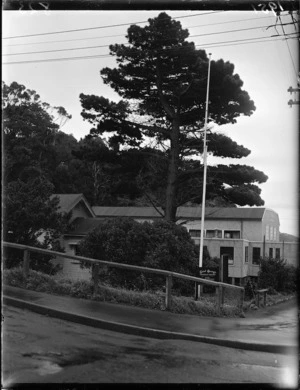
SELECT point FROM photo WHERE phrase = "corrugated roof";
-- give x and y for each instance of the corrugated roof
(68, 201)
(183, 212)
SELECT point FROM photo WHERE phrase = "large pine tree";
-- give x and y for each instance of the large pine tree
(162, 79)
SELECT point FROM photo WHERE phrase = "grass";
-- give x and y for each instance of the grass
(272, 299)
(205, 306)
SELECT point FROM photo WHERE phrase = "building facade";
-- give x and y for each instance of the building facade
(242, 235)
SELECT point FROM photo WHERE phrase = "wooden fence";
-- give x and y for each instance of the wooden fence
(96, 265)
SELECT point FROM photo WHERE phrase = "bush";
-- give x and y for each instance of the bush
(276, 274)
(250, 289)
(13, 258)
(161, 245)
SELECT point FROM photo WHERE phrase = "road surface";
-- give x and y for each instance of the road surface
(40, 349)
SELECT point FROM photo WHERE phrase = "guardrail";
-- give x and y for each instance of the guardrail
(95, 272)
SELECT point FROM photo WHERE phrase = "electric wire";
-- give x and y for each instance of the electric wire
(122, 35)
(100, 46)
(296, 73)
(102, 27)
(109, 56)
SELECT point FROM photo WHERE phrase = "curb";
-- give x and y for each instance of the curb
(147, 332)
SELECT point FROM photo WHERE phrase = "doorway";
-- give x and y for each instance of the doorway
(227, 254)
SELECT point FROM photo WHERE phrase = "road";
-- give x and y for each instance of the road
(40, 349)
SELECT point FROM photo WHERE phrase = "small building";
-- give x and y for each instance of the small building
(242, 234)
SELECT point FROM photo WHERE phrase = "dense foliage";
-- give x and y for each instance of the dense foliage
(161, 245)
(278, 275)
(30, 212)
(161, 78)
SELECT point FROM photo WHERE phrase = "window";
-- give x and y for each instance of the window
(256, 255)
(277, 253)
(274, 233)
(271, 233)
(271, 253)
(195, 233)
(232, 234)
(267, 232)
(246, 254)
(214, 233)
(75, 249)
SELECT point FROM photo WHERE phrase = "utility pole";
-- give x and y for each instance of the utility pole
(204, 168)
(291, 90)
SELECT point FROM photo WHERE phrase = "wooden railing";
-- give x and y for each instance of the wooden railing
(95, 272)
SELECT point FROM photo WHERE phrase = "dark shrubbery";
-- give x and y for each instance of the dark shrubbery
(161, 245)
(278, 275)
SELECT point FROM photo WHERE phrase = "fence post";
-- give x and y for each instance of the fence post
(168, 291)
(221, 295)
(196, 291)
(242, 299)
(219, 299)
(95, 277)
(26, 260)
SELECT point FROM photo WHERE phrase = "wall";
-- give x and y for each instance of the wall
(80, 211)
(252, 230)
(71, 268)
(238, 269)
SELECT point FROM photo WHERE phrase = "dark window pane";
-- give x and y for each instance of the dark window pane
(246, 254)
(232, 234)
(214, 233)
(195, 233)
(256, 255)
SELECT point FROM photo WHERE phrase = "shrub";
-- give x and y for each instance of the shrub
(13, 258)
(276, 274)
(160, 245)
(250, 289)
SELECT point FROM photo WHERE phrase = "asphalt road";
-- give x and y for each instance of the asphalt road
(40, 349)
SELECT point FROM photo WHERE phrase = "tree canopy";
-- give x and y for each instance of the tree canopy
(161, 78)
(29, 132)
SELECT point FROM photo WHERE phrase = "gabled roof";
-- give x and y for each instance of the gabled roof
(82, 226)
(182, 212)
(67, 202)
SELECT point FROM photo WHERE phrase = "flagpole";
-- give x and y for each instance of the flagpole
(204, 168)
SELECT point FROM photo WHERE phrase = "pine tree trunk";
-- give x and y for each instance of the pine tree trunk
(171, 191)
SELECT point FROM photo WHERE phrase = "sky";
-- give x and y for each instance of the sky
(267, 66)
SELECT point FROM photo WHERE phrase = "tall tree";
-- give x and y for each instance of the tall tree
(29, 132)
(162, 79)
(30, 128)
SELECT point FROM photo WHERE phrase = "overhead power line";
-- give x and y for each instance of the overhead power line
(97, 46)
(102, 27)
(122, 35)
(226, 43)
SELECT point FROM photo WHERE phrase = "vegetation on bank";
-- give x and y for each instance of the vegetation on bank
(40, 282)
(206, 306)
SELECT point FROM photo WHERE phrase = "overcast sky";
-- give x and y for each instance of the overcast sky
(267, 67)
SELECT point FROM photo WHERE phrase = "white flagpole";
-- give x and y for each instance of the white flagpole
(204, 168)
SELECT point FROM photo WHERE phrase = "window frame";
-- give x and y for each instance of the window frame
(195, 230)
(246, 254)
(256, 259)
(271, 253)
(232, 231)
(219, 232)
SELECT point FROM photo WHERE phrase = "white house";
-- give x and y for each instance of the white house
(243, 234)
